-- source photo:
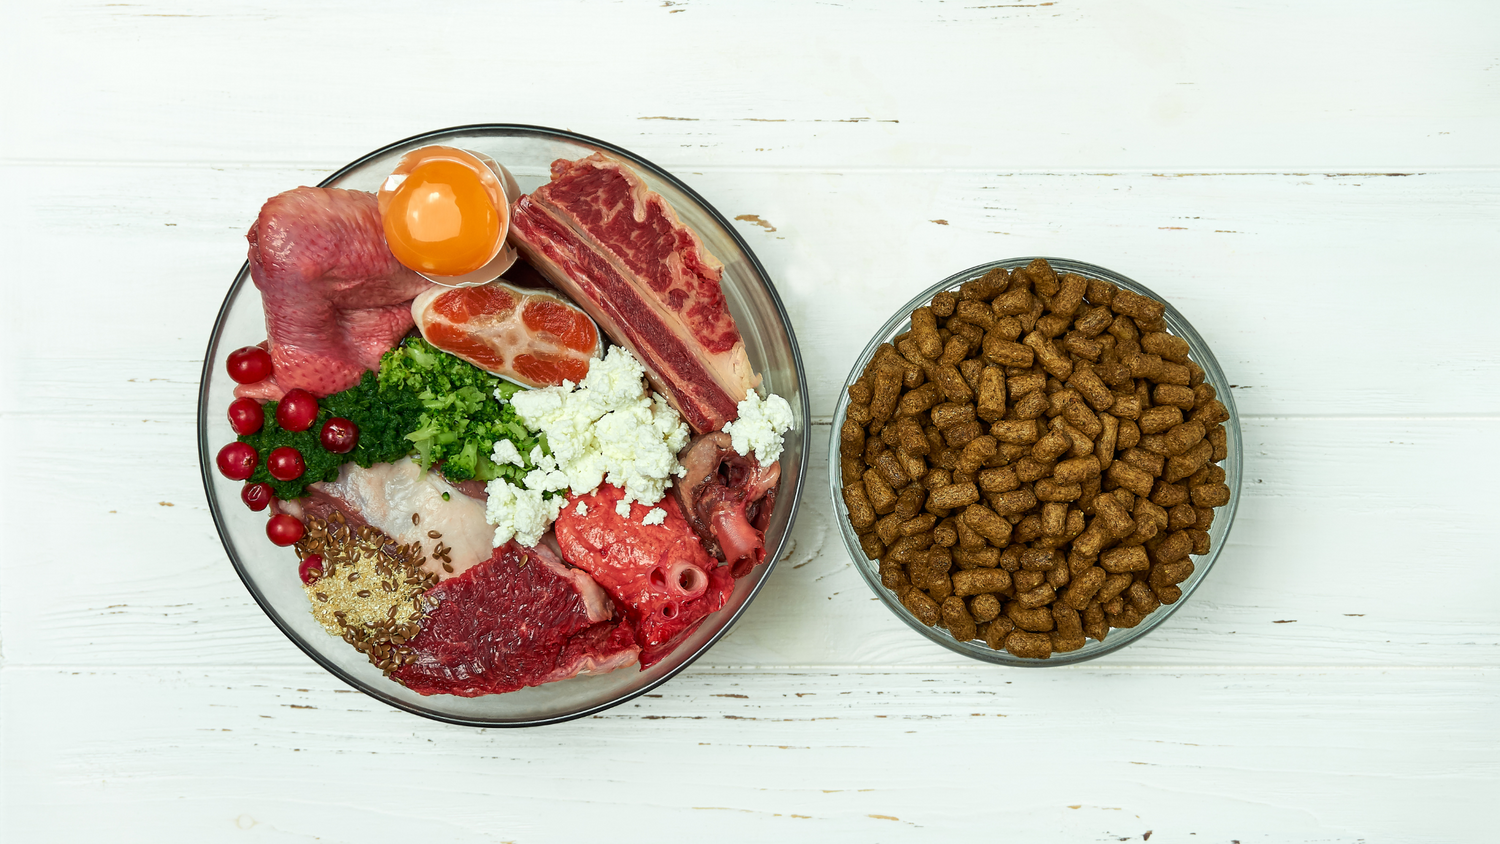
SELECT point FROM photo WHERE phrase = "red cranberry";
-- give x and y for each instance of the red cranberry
(246, 416)
(339, 435)
(285, 463)
(237, 461)
(284, 530)
(311, 568)
(250, 364)
(297, 410)
(256, 496)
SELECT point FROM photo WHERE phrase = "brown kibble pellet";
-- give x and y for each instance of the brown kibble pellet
(999, 479)
(1137, 306)
(1131, 478)
(995, 632)
(956, 617)
(1183, 437)
(1213, 495)
(1167, 346)
(890, 470)
(1016, 501)
(1160, 419)
(919, 401)
(924, 333)
(872, 546)
(1077, 470)
(1084, 587)
(986, 287)
(984, 607)
(1173, 394)
(922, 607)
(1022, 431)
(953, 496)
(979, 581)
(1126, 559)
(1035, 619)
(998, 350)
(988, 524)
(878, 492)
(973, 558)
(949, 414)
(861, 514)
(1029, 645)
(1188, 462)
(888, 528)
(1057, 364)
(1038, 597)
(990, 404)
(943, 304)
(887, 392)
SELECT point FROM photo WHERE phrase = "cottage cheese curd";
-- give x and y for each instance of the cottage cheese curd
(610, 428)
(760, 426)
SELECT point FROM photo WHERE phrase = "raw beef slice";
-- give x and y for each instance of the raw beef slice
(617, 249)
(519, 619)
(658, 574)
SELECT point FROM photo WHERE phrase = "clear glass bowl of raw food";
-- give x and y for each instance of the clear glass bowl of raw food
(1117, 637)
(270, 573)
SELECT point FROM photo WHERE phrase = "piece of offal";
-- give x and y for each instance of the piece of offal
(532, 337)
(617, 249)
(658, 574)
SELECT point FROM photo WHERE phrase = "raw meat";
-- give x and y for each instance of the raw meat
(335, 298)
(618, 250)
(386, 495)
(534, 338)
(658, 574)
(519, 619)
(728, 500)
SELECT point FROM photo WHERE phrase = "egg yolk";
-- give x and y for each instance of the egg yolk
(441, 220)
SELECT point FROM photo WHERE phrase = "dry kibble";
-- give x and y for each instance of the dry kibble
(980, 581)
(1029, 645)
(1035, 461)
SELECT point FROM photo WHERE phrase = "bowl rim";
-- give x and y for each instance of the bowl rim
(1119, 638)
(773, 556)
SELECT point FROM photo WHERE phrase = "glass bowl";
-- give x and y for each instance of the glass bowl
(270, 573)
(1117, 637)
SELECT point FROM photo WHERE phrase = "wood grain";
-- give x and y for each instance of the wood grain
(1315, 186)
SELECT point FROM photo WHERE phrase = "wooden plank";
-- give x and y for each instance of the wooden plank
(1357, 543)
(1319, 294)
(1085, 754)
(1088, 84)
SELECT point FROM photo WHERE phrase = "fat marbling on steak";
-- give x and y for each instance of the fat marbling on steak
(618, 250)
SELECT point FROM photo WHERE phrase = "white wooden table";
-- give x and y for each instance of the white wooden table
(1316, 185)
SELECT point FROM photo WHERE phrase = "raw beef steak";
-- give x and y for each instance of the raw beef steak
(519, 619)
(617, 249)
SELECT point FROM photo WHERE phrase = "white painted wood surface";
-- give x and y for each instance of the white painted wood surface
(1315, 185)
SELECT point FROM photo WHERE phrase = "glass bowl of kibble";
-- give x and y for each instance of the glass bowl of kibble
(1035, 462)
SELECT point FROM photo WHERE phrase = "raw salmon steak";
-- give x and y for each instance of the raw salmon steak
(658, 574)
(617, 248)
(531, 337)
